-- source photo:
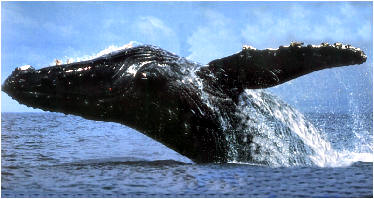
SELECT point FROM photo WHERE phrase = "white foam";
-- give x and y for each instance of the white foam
(106, 51)
(133, 69)
(248, 47)
(347, 158)
(113, 48)
(24, 67)
(323, 154)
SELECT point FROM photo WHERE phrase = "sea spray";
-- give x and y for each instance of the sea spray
(264, 130)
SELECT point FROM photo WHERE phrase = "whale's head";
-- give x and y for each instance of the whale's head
(143, 87)
(67, 88)
(118, 83)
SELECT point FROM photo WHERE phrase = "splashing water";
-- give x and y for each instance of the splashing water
(107, 51)
(363, 150)
(274, 134)
(271, 132)
(283, 134)
(267, 109)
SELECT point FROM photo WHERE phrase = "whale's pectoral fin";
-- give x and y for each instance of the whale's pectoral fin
(253, 68)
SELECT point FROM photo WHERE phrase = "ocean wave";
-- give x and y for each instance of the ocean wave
(125, 161)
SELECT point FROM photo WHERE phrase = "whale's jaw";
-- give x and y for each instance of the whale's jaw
(72, 89)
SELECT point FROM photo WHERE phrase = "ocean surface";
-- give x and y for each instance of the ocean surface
(57, 155)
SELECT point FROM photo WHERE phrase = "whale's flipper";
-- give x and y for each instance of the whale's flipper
(254, 69)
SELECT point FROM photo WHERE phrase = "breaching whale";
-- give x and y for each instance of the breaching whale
(208, 113)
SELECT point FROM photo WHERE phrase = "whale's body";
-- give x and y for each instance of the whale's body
(202, 112)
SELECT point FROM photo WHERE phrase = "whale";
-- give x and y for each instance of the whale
(217, 112)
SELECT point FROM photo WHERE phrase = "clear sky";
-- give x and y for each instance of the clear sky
(36, 33)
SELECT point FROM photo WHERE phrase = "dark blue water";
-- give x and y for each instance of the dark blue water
(56, 155)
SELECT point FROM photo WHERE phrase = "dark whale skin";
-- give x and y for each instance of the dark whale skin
(168, 98)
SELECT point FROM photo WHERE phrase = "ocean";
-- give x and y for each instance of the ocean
(55, 155)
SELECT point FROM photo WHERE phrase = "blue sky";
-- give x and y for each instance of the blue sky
(36, 33)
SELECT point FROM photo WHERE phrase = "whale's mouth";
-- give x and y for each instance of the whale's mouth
(56, 101)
